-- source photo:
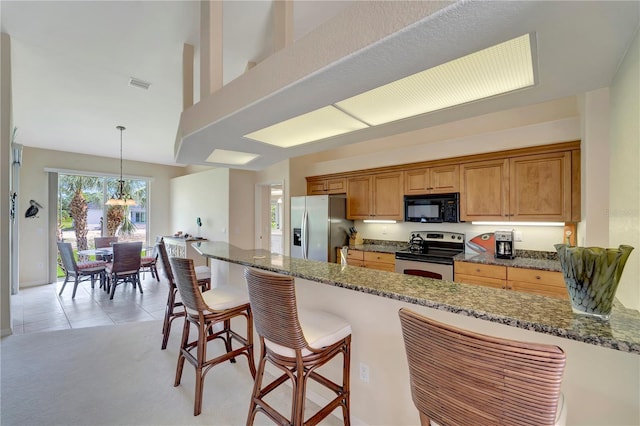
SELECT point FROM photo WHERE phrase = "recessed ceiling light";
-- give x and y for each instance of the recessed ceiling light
(235, 158)
(495, 70)
(315, 125)
(141, 84)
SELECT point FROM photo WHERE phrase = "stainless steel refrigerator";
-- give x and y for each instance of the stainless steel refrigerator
(319, 226)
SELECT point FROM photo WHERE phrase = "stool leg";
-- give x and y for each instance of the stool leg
(201, 356)
(257, 385)
(299, 387)
(346, 410)
(183, 347)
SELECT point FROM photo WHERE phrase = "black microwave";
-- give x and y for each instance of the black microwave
(432, 208)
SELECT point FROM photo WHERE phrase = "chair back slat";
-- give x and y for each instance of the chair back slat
(126, 256)
(187, 283)
(164, 259)
(66, 253)
(461, 377)
(275, 314)
(102, 242)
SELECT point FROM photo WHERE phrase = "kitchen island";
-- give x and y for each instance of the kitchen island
(602, 378)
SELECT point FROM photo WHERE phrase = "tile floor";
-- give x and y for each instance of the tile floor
(37, 309)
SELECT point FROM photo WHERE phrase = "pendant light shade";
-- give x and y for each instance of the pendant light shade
(121, 197)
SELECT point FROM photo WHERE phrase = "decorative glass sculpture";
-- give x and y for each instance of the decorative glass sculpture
(591, 275)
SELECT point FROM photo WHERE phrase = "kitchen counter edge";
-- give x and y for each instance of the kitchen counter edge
(531, 312)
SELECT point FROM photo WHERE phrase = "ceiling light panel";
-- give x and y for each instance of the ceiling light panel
(235, 158)
(319, 124)
(498, 69)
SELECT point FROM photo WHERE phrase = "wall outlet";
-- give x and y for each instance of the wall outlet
(518, 235)
(364, 372)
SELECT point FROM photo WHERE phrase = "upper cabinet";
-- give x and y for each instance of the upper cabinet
(538, 183)
(432, 180)
(376, 196)
(536, 187)
(324, 186)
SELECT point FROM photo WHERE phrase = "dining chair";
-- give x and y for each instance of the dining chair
(79, 271)
(174, 309)
(149, 263)
(125, 266)
(211, 313)
(459, 377)
(103, 242)
(297, 342)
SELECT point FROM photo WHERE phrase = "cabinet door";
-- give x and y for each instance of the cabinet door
(443, 179)
(327, 186)
(540, 187)
(359, 197)
(545, 283)
(484, 190)
(387, 196)
(416, 182)
(317, 187)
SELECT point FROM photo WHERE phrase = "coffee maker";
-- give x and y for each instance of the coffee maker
(504, 244)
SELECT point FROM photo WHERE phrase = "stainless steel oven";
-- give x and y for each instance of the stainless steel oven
(430, 254)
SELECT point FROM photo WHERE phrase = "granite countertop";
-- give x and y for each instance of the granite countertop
(538, 313)
(545, 263)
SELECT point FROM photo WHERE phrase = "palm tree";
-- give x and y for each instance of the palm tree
(78, 206)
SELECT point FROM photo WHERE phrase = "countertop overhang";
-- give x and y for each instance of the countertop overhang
(531, 312)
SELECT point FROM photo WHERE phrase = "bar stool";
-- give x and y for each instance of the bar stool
(173, 309)
(296, 342)
(463, 378)
(206, 311)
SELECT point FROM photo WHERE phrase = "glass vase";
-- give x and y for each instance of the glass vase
(591, 275)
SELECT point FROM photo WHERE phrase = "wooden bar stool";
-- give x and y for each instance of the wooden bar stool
(174, 309)
(296, 342)
(207, 311)
(463, 378)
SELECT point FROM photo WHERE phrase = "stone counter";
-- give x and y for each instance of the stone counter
(530, 312)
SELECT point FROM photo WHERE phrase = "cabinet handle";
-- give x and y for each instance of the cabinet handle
(478, 270)
(538, 277)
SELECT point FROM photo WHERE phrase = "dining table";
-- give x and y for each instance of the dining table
(105, 252)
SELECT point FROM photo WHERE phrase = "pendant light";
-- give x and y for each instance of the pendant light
(121, 198)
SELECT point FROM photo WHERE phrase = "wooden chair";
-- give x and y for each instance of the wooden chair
(79, 271)
(174, 309)
(296, 342)
(125, 266)
(103, 242)
(207, 311)
(463, 378)
(149, 263)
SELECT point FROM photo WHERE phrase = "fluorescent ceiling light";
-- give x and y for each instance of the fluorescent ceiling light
(319, 124)
(498, 69)
(231, 157)
(495, 70)
(518, 223)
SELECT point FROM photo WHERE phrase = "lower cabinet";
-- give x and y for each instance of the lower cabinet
(181, 247)
(372, 260)
(534, 281)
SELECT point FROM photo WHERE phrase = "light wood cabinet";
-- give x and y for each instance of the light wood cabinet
(480, 274)
(432, 180)
(326, 186)
(380, 261)
(534, 281)
(527, 188)
(376, 196)
(181, 247)
(544, 283)
(372, 260)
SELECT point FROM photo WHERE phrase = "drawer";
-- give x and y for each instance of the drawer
(355, 255)
(540, 289)
(483, 281)
(381, 266)
(550, 278)
(372, 256)
(481, 270)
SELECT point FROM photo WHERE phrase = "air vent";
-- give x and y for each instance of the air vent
(141, 84)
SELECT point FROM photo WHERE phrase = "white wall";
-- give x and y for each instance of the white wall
(5, 158)
(624, 202)
(34, 238)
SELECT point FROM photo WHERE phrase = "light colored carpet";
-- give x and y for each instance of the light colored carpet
(117, 375)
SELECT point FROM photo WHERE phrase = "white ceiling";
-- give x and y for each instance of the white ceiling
(71, 61)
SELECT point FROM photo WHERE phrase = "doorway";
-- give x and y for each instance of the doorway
(270, 217)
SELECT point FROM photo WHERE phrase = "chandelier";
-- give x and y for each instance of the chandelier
(121, 197)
